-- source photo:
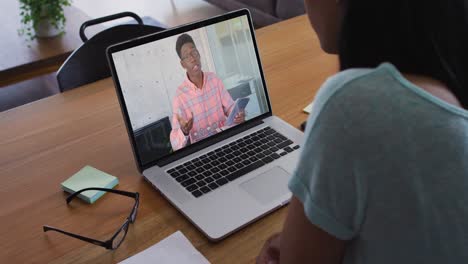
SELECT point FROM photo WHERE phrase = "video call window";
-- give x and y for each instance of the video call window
(183, 89)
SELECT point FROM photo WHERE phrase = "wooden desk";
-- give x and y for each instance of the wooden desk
(22, 59)
(43, 143)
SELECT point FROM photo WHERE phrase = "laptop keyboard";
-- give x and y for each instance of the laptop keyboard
(231, 161)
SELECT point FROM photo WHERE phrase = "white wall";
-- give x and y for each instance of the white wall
(150, 74)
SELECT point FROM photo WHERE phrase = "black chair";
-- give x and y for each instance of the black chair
(88, 63)
(154, 140)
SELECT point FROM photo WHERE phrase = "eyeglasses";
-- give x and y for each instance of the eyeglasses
(194, 54)
(115, 241)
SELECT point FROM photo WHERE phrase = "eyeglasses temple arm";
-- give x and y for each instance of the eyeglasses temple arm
(129, 194)
(87, 239)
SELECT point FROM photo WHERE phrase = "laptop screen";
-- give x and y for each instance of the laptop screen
(183, 89)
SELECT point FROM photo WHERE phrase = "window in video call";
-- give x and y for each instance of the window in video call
(185, 88)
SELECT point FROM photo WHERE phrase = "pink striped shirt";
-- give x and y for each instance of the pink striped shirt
(210, 107)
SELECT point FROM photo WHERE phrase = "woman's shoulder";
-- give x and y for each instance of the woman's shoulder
(355, 98)
(357, 86)
(355, 79)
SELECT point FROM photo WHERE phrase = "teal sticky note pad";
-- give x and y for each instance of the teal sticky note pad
(89, 177)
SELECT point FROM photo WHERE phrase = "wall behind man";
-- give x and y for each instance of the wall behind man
(150, 74)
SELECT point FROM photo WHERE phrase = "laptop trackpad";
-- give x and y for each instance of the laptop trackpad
(268, 186)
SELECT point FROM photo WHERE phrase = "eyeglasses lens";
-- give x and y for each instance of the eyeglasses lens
(120, 237)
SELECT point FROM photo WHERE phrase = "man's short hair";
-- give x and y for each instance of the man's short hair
(181, 40)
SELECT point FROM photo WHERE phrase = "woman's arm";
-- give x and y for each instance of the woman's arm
(301, 242)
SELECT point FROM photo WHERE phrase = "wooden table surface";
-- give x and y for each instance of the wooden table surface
(21, 58)
(45, 142)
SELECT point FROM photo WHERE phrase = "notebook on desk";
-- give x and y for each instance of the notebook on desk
(220, 177)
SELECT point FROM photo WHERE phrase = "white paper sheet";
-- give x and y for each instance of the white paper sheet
(308, 108)
(175, 249)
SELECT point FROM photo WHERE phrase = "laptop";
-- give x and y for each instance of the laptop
(176, 89)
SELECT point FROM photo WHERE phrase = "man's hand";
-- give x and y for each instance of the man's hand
(185, 126)
(240, 117)
(270, 253)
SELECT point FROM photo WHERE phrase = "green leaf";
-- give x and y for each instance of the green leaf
(32, 11)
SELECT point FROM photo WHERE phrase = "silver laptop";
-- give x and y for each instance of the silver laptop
(200, 123)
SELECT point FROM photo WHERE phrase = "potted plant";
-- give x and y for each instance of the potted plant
(42, 18)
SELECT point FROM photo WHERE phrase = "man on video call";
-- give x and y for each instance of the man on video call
(201, 104)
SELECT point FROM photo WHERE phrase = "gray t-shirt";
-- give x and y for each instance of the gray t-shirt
(385, 166)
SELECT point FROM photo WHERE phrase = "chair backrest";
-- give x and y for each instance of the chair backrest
(154, 139)
(88, 63)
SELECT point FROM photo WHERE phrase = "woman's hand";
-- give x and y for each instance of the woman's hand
(270, 253)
